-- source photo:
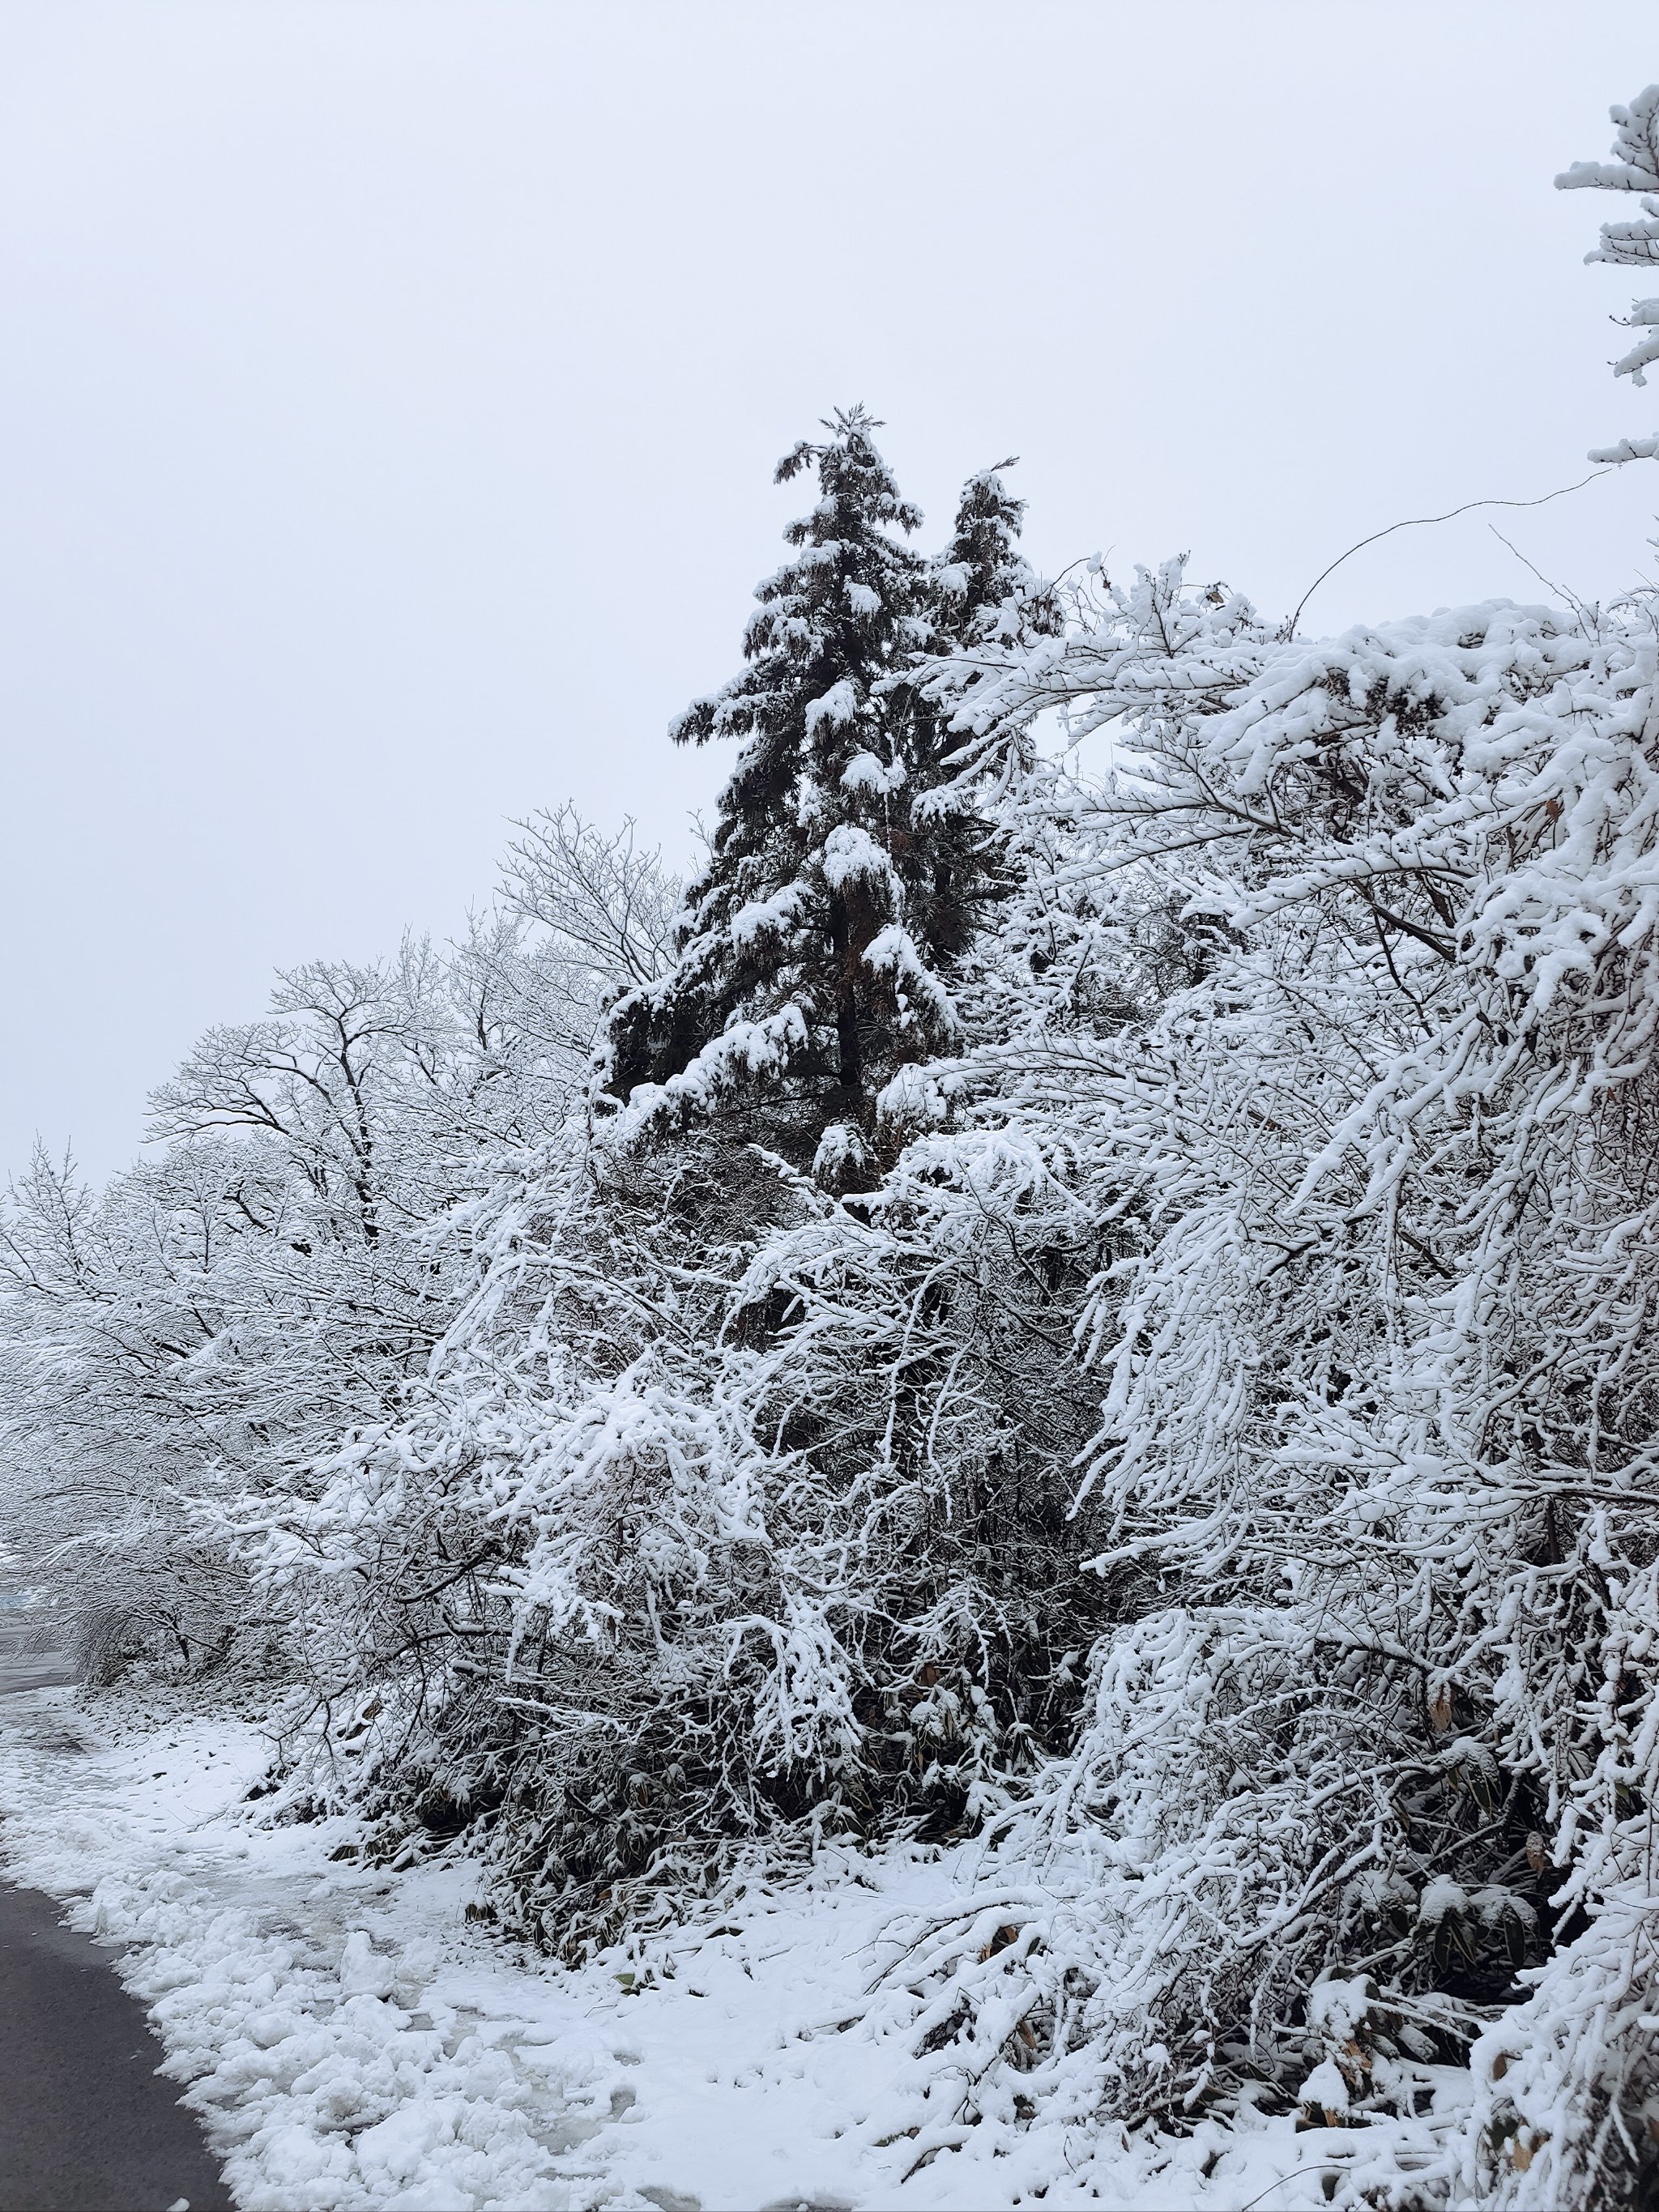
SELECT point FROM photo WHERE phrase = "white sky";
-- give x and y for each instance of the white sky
(389, 395)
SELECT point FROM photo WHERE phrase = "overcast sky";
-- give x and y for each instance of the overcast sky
(390, 392)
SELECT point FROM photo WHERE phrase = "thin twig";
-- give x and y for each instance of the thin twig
(1417, 522)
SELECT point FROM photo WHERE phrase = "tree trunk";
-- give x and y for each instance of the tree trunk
(847, 1018)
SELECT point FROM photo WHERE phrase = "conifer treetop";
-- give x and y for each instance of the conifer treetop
(817, 948)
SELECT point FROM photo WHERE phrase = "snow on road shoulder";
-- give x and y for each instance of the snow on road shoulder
(301, 1998)
(351, 2039)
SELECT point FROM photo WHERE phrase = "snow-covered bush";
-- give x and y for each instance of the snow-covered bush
(729, 1515)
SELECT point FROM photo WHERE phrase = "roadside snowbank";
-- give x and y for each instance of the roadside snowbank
(351, 2039)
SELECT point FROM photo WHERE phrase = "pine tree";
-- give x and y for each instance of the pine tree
(985, 586)
(1634, 169)
(846, 875)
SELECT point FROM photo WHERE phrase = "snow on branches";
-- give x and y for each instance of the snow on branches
(1379, 1379)
(1632, 244)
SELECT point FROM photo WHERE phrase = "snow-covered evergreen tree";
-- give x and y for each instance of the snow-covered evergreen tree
(843, 884)
(986, 587)
(1632, 244)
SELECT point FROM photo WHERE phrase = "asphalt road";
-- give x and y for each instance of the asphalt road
(86, 2123)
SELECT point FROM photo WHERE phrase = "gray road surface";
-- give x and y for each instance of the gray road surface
(86, 2124)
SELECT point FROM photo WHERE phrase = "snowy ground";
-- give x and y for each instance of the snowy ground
(352, 2040)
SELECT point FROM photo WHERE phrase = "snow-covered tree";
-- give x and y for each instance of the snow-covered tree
(282, 1271)
(848, 863)
(986, 587)
(1630, 244)
(1378, 1437)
